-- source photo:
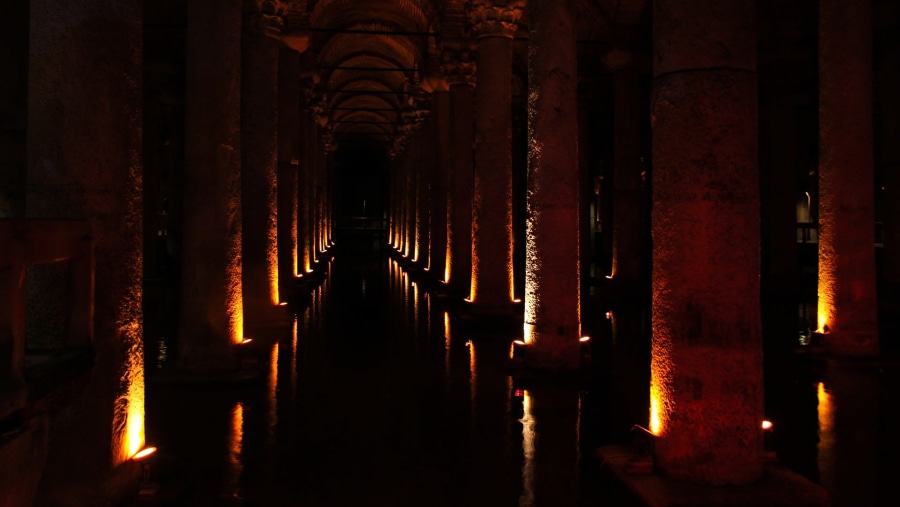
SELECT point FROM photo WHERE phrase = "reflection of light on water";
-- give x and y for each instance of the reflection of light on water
(294, 355)
(162, 353)
(235, 447)
(826, 435)
(273, 389)
(473, 376)
(528, 441)
(447, 346)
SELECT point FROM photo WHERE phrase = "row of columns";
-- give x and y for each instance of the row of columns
(706, 371)
(258, 192)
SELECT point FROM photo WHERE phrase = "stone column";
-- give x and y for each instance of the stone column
(706, 388)
(552, 280)
(848, 305)
(458, 272)
(304, 254)
(288, 167)
(626, 248)
(259, 141)
(425, 168)
(440, 103)
(495, 23)
(13, 107)
(412, 187)
(211, 319)
(83, 152)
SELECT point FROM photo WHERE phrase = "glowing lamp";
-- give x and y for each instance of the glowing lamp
(245, 341)
(517, 300)
(144, 453)
(283, 303)
(584, 339)
(609, 277)
(609, 315)
(767, 425)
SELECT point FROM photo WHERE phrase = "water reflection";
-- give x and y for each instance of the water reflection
(379, 394)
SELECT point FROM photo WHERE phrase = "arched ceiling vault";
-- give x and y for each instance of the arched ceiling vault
(375, 58)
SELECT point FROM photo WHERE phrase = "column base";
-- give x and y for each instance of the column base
(777, 487)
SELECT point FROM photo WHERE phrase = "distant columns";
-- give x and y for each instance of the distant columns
(848, 303)
(552, 278)
(495, 24)
(259, 138)
(706, 366)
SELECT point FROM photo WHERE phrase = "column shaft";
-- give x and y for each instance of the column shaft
(211, 318)
(552, 280)
(439, 210)
(626, 262)
(259, 138)
(706, 366)
(847, 307)
(459, 198)
(492, 235)
(13, 108)
(288, 167)
(84, 127)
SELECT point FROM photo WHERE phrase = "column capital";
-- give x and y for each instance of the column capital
(495, 18)
(295, 33)
(459, 67)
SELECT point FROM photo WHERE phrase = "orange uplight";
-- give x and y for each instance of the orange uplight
(766, 425)
(826, 294)
(655, 407)
(448, 260)
(147, 451)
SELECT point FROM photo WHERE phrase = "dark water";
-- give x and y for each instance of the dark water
(380, 396)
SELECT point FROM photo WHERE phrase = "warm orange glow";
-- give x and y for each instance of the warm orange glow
(448, 260)
(655, 411)
(236, 314)
(826, 435)
(144, 453)
(528, 333)
(447, 342)
(767, 425)
(272, 258)
(273, 388)
(235, 447)
(128, 418)
(826, 292)
(294, 356)
(528, 447)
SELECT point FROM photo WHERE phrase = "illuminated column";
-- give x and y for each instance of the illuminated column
(706, 388)
(460, 75)
(328, 194)
(211, 319)
(288, 167)
(552, 283)
(627, 96)
(412, 186)
(440, 101)
(425, 169)
(304, 254)
(83, 149)
(848, 303)
(259, 147)
(495, 23)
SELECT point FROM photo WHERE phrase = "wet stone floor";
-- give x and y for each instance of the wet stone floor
(381, 395)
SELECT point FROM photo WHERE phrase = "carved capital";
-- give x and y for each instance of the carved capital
(263, 18)
(459, 67)
(495, 18)
(295, 33)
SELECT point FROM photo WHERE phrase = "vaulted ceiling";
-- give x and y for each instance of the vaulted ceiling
(374, 62)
